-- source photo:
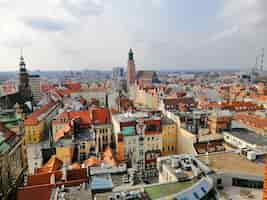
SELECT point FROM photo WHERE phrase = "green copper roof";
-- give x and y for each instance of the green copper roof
(4, 147)
(130, 130)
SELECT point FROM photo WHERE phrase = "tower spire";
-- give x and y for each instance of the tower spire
(22, 62)
(131, 54)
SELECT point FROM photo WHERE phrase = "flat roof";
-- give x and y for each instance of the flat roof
(127, 117)
(163, 190)
(232, 163)
(248, 136)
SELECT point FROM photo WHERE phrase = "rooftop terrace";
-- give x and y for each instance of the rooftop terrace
(163, 190)
(233, 163)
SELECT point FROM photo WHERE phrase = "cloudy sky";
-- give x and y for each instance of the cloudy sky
(97, 34)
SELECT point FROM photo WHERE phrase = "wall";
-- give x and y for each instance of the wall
(186, 142)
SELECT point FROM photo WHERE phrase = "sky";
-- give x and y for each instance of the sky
(164, 34)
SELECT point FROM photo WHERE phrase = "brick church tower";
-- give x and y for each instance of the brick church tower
(131, 69)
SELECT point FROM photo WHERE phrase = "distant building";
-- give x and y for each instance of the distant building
(219, 121)
(35, 84)
(147, 77)
(244, 138)
(117, 73)
(131, 73)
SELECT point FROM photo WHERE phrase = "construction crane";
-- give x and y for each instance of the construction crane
(262, 60)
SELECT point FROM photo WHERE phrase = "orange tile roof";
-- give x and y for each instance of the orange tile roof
(40, 192)
(120, 155)
(72, 85)
(82, 115)
(62, 132)
(52, 165)
(252, 120)
(39, 186)
(100, 115)
(76, 166)
(108, 157)
(44, 178)
(32, 119)
(92, 162)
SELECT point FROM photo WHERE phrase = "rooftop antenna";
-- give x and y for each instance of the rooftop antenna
(21, 52)
(256, 63)
(262, 59)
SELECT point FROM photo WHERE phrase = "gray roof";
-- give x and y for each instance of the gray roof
(249, 136)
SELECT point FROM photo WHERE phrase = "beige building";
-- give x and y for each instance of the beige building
(13, 162)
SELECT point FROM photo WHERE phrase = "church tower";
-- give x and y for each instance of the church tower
(131, 69)
(24, 87)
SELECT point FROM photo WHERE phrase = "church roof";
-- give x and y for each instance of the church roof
(145, 74)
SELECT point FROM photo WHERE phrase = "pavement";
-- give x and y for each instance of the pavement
(238, 193)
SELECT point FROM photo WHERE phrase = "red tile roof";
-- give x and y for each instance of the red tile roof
(251, 120)
(32, 119)
(52, 165)
(82, 115)
(92, 162)
(44, 178)
(109, 157)
(62, 132)
(76, 166)
(72, 85)
(100, 115)
(40, 192)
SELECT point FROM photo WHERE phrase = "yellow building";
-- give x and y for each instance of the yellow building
(35, 123)
(33, 132)
(65, 153)
(169, 136)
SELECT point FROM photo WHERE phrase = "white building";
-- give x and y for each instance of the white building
(244, 138)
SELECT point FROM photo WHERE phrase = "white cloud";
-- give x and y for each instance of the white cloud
(98, 33)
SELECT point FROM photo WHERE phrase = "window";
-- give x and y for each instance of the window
(203, 190)
(82, 146)
(196, 195)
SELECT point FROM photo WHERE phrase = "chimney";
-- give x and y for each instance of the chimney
(64, 171)
(106, 100)
(52, 179)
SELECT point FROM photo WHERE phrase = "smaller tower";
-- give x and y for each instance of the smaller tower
(262, 59)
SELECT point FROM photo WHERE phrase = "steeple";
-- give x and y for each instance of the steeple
(22, 64)
(131, 54)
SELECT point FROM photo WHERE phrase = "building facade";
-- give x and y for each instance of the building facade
(169, 137)
(35, 84)
(36, 123)
(13, 161)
